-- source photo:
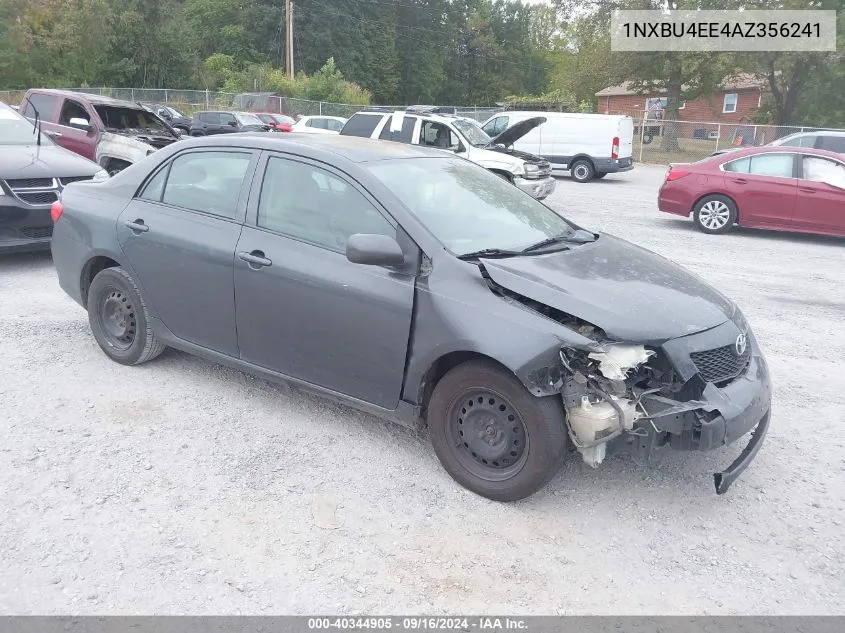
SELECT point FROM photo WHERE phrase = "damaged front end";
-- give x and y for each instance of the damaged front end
(629, 398)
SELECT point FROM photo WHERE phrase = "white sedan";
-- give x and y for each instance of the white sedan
(319, 124)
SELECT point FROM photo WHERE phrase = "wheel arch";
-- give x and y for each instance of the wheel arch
(716, 193)
(585, 157)
(446, 362)
(95, 264)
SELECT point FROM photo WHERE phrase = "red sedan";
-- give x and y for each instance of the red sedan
(779, 188)
(278, 122)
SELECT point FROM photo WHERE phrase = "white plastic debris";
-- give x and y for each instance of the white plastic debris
(615, 363)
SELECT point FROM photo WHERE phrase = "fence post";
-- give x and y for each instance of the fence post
(206, 99)
(718, 134)
(642, 136)
(133, 95)
(321, 107)
(802, 129)
(165, 95)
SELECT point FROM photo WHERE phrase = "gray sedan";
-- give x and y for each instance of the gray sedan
(417, 286)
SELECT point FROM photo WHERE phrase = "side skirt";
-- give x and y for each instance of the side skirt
(405, 413)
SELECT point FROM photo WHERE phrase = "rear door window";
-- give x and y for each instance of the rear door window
(831, 143)
(780, 165)
(333, 125)
(434, 134)
(804, 140)
(210, 117)
(362, 125)
(209, 182)
(44, 104)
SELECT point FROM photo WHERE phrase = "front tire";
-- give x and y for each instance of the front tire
(582, 171)
(491, 435)
(119, 318)
(715, 214)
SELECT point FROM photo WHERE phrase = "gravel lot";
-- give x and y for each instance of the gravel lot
(185, 487)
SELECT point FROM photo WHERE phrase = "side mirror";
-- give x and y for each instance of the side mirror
(374, 250)
(233, 123)
(81, 124)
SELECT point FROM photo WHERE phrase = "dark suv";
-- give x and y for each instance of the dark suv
(170, 114)
(215, 122)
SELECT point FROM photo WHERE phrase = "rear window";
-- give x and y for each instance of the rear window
(831, 143)
(361, 125)
(44, 104)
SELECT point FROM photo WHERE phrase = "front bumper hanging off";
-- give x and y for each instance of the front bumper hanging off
(721, 417)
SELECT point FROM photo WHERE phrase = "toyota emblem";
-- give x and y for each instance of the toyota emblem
(741, 344)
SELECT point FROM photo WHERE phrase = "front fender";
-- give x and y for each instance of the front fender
(123, 148)
(525, 342)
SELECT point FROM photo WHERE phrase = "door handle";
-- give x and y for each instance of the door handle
(52, 134)
(740, 181)
(255, 259)
(807, 189)
(137, 226)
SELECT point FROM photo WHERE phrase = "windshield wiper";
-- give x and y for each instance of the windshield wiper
(489, 252)
(580, 237)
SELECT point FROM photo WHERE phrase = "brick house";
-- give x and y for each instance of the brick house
(736, 102)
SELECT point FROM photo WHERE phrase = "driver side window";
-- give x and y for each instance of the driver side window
(72, 110)
(321, 208)
(433, 134)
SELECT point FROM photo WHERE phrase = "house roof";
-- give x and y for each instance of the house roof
(741, 81)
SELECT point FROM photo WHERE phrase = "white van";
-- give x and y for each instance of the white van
(588, 145)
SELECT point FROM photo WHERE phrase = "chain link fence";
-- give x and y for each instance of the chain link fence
(190, 101)
(662, 142)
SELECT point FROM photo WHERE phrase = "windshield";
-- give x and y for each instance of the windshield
(472, 132)
(15, 130)
(467, 207)
(120, 118)
(175, 113)
(246, 118)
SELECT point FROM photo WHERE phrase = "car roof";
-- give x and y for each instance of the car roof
(438, 118)
(351, 148)
(777, 149)
(84, 96)
(816, 132)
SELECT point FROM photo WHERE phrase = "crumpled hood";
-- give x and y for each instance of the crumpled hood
(44, 161)
(632, 294)
(517, 131)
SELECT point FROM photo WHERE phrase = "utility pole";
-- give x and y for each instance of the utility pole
(289, 38)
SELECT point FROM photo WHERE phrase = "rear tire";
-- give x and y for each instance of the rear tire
(119, 318)
(715, 214)
(491, 435)
(582, 170)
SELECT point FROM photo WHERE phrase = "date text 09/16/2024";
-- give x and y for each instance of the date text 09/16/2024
(419, 623)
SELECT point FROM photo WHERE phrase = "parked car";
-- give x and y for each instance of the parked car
(279, 122)
(831, 140)
(778, 188)
(319, 124)
(33, 172)
(212, 122)
(589, 146)
(418, 286)
(112, 133)
(176, 119)
(464, 138)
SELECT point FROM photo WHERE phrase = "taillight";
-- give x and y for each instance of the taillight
(56, 210)
(614, 149)
(675, 174)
